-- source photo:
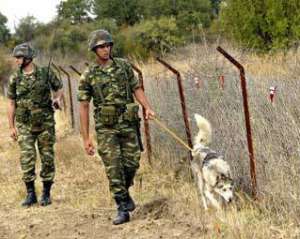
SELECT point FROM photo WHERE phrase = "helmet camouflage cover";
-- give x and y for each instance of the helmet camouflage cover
(99, 37)
(24, 50)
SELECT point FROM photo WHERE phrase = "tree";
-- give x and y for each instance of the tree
(5, 68)
(125, 12)
(192, 13)
(129, 12)
(215, 4)
(158, 8)
(76, 11)
(4, 32)
(262, 24)
(158, 35)
(26, 29)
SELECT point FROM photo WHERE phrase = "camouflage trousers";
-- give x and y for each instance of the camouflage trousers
(120, 153)
(45, 143)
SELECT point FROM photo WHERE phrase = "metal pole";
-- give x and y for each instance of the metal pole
(75, 70)
(146, 122)
(247, 118)
(70, 96)
(56, 68)
(59, 74)
(182, 101)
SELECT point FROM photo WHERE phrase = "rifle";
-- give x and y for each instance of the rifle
(138, 133)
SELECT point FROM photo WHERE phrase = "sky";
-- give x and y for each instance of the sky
(43, 10)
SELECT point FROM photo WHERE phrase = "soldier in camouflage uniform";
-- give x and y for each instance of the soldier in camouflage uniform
(112, 85)
(31, 119)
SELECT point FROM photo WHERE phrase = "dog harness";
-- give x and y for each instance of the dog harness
(209, 156)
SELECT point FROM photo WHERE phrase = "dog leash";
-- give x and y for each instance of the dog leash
(163, 126)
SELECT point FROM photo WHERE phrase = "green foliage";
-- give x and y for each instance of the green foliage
(159, 8)
(67, 38)
(4, 32)
(26, 30)
(64, 38)
(68, 41)
(75, 11)
(159, 25)
(106, 23)
(265, 25)
(5, 66)
(158, 36)
(187, 21)
(193, 14)
(123, 12)
(215, 4)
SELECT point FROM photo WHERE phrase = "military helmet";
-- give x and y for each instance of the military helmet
(24, 50)
(99, 37)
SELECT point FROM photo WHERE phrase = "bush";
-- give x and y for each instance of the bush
(157, 36)
(5, 67)
(263, 25)
(67, 38)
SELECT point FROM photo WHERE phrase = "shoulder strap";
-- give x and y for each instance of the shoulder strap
(91, 70)
(43, 72)
(123, 64)
(19, 76)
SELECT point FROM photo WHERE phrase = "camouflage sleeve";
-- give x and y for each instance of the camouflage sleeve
(55, 83)
(11, 90)
(84, 92)
(133, 80)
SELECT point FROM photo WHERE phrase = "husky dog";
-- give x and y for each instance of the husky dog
(211, 171)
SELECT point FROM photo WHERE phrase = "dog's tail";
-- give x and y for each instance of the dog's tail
(204, 135)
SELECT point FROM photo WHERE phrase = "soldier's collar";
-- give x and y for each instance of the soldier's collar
(107, 65)
(34, 69)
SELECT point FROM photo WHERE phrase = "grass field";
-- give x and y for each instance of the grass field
(167, 200)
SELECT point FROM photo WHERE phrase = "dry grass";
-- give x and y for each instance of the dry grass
(167, 197)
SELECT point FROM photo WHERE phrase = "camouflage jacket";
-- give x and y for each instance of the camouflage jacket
(113, 85)
(32, 94)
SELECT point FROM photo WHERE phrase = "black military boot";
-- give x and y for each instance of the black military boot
(123, 214)
(129, 201)
(45, 199)
(31, 196)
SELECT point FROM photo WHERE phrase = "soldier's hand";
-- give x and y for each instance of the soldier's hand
(149, 114)
(89, 147)
(56, 104)
(14, 134)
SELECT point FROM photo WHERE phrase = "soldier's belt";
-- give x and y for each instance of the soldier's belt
(109, 114)
(131, 112)
(33, 116)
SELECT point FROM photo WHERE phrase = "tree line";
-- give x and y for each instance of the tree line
(145, 27)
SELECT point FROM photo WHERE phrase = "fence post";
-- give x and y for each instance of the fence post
(59, 75)
(146, 122)
(183, 104)
(247, 118)
(75, 70)
(70, 96)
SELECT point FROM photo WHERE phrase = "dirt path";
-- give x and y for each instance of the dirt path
(61, 221)
(82, 205)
